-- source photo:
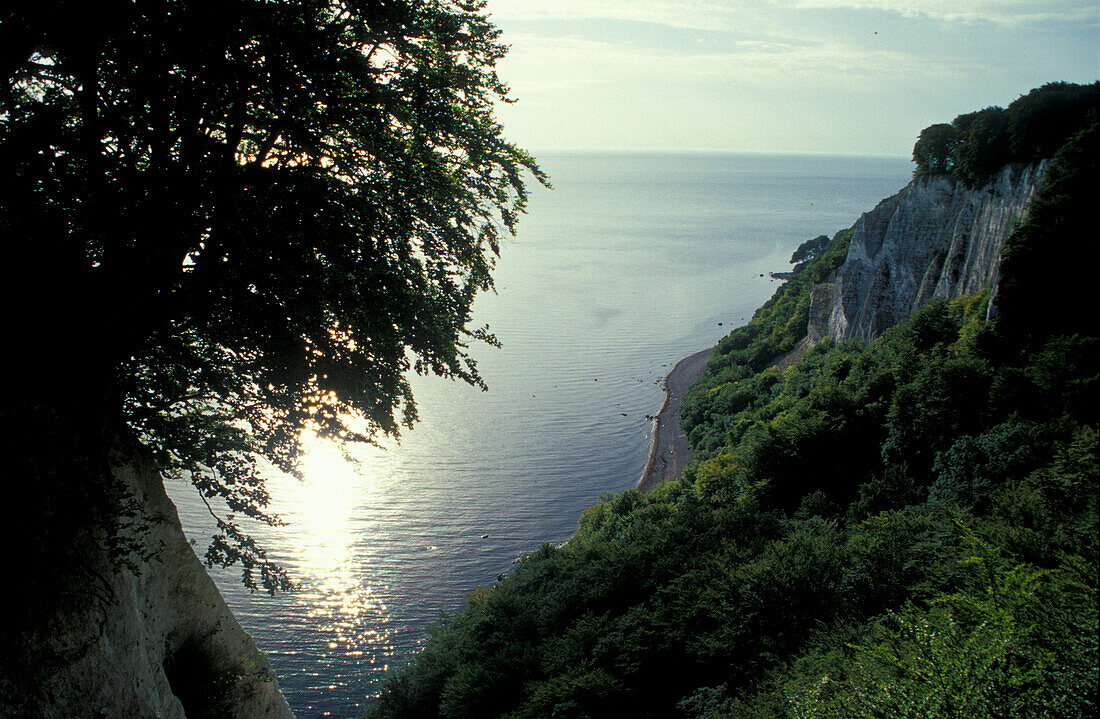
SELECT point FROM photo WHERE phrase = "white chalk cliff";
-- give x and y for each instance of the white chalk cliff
(935, 238)
(159, 636)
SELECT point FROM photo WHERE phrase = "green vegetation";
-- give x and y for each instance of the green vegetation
(808, 250)
(774, 330)
(781, 322)
(907, 527)
(975, 145)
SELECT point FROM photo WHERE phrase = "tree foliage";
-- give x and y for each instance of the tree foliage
(1032, 128)
(810, 249)
(1019, 646)
(934, 152)
(243, 220)
(1037, 298)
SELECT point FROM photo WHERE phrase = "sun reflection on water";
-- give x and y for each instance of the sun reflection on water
(338, 600)
(322, 507)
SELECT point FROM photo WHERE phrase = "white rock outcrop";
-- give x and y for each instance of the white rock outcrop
(168, 615)
(935, 238)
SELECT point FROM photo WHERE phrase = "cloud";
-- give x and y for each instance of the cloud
(569, 43)
(577, 61)
(747, 73)
(673, 13)
(734, 14)
(1001, 12)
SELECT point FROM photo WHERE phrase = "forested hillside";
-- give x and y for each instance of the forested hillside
(900, 528)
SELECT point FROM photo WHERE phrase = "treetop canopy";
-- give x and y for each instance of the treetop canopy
(1032, 128)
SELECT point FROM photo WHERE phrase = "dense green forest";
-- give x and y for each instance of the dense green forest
(976, 144)
(902, 528)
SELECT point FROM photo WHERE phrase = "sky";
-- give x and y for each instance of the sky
(858, 77)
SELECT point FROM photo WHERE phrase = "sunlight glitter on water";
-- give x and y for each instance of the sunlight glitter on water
(338, 601)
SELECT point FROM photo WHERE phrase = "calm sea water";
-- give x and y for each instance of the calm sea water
(632, 262)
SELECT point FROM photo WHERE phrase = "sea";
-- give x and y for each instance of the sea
(631, 262)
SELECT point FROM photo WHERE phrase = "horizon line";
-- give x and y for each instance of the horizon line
(679, 151)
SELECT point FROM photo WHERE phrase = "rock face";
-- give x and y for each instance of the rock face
(935, 238)
(162, 642)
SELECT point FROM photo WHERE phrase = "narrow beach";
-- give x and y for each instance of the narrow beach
(669, 450)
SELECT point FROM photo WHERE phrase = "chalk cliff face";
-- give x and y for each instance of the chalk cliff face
(161, 643)
(935, 238)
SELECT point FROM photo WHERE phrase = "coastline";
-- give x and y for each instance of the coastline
(669, 450)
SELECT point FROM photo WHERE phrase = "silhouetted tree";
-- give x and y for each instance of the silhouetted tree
(978, 144)
(983, 145)
(234, 221)
(934, 151)
(1041, 121)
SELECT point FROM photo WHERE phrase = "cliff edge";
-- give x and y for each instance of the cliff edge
(159, 642)
(935, 238)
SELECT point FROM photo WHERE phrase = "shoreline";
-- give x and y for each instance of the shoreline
(669, 450)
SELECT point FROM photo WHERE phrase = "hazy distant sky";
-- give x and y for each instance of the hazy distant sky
(831, 76)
